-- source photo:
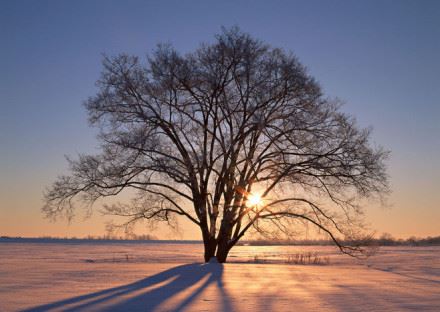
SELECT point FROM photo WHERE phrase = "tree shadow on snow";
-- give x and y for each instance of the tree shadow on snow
(149, 293)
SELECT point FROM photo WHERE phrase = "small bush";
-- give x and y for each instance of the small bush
(307, 259)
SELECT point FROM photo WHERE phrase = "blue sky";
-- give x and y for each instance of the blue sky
(380, 57)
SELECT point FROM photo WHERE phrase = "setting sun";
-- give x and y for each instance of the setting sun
(254, 200)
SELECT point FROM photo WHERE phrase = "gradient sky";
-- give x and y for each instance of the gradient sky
(380, 57)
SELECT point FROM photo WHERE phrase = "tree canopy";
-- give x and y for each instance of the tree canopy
(233, 136)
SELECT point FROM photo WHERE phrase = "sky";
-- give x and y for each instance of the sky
(380, 57)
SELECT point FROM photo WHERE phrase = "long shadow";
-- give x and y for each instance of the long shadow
(423, 279)
(138, 297)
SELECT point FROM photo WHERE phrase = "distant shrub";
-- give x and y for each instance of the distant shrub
(307, 258)
(258, 259)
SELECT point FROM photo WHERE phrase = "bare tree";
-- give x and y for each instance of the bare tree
(234, 136)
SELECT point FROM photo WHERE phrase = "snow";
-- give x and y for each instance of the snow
(98, 276)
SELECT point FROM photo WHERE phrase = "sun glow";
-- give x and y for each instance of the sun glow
(254, 200)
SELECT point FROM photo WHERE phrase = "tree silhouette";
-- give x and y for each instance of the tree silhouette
(234, 136)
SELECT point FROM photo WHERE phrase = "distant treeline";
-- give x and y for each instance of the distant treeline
(91, 240)
(384, 240)
(91, 237)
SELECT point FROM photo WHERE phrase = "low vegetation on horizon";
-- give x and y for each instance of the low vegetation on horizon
(384, 240)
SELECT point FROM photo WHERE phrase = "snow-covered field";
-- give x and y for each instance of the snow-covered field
(121, 276)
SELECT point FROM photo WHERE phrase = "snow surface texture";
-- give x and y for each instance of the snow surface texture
(92, 276)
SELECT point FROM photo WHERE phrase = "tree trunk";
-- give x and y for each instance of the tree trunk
(224, 237)
(222, 251)
(224, 246)
(210, 244)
